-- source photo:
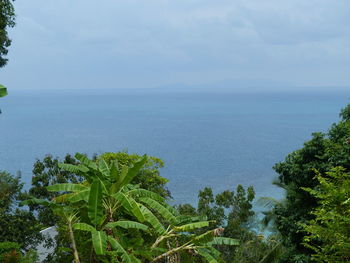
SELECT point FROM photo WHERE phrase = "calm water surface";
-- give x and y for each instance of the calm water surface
(206, 138)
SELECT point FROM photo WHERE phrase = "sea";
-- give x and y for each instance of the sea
(210, 137)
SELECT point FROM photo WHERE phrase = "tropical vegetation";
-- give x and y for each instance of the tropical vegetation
(7, 20)
(115, 207)
(299, 172)
(121, 222)
(328, 234)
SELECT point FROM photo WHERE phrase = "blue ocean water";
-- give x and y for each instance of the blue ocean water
(206, 138)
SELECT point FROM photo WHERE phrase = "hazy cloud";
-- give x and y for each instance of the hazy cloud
(139, 43)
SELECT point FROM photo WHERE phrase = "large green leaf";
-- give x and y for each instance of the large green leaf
(114, 172)
(135, 209)
(204, 238)
(164, 212)
(103, 186)
(153, 220)
(73, 168)
(127, 225)
(146, 193)
(99, 241)
(104, 168)
(3, 91)
(84, 227)
(130, 205)
(117, 247)
(86, 161)
(207, 256)
(184, 219)
(79, 196)
(224, 241)
(118, 184)
(191, 226)
(214, 252)
(133, 171)
(95, 206)
(66, 187)
(123, 200)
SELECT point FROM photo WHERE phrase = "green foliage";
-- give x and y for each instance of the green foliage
(120, 221)
(10, 191)
(10, 252)
(16, 225)
(3, 91)
(7, 19)
(297, 171)
(329, 232)
(183, 241)
(47, 172)
(149, 176)
(232, 215)
(260, 250)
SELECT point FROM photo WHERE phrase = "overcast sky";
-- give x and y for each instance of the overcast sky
(155, 43)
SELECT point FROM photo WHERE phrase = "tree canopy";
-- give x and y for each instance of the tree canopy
(7, 20)
(328, 234)
(16, 225)
(117, 221)
(323, 152)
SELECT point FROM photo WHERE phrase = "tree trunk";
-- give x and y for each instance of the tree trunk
(74, 246)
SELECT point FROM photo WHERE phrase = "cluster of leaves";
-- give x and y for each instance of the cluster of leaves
(47, 172)
(10, 252)
(3, 91)
(328, 234)
(7, 19)
(148, 177)
(232, 212)
(321, 153)
(16, 225)
(121, 222)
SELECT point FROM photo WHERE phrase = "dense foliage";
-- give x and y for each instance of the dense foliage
(47, 172)
(322, 152)
(148, 177)
(16, 225)
(122, 222)
(233, 213)
(114, 208)
(328, 234)
(10, 252)
(7, 19)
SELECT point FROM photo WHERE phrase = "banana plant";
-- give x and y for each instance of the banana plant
(104, 197)
(118, 215)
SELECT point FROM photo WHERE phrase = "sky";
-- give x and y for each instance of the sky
(66, 44)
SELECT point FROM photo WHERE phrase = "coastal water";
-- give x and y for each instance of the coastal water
(206, 138)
